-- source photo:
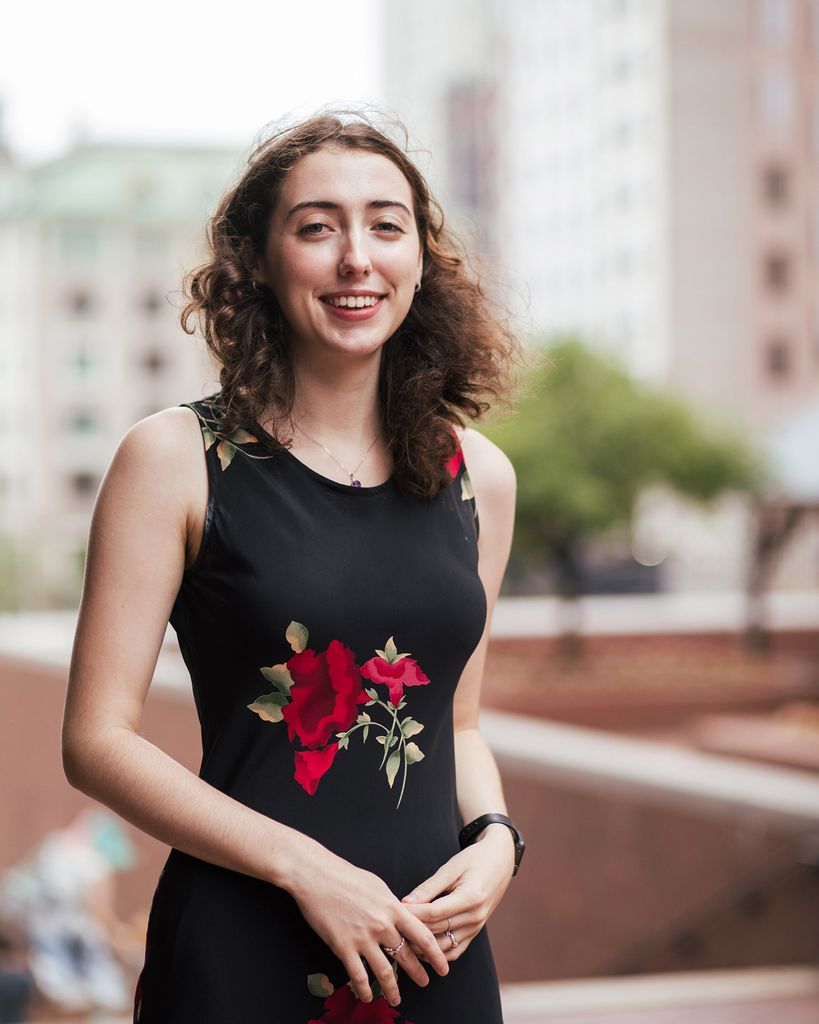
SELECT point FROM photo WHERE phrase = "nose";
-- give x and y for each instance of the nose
(355, 259)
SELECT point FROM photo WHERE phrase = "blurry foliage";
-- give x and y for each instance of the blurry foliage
(16, 568)
(587, 438)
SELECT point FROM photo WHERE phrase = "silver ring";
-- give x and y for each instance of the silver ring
(392, 950)
(451, 938)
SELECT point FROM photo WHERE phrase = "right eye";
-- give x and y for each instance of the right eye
(308, 228)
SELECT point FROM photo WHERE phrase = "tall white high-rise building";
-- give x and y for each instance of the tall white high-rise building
(648, 170)
(93, 249)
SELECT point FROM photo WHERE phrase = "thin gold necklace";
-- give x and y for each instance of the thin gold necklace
(353, 481)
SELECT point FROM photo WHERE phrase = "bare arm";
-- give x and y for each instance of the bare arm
(134, 566)
(465, 890)
(149, 508)
(478, 780)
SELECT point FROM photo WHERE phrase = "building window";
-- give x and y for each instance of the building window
(80, 302)
(151, 303)
(775, 183)
(83, 483)
(153, 362)
(777, 271)
(81, 362)
(83, 422)
(778, 359)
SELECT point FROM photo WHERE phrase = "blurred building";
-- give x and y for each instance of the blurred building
(93, 248)
(648, 168)
(648, 171)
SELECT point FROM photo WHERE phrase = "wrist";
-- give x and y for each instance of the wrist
(297, 858)
(475, 831)
(494, 832)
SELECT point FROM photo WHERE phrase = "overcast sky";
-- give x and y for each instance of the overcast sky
(178, 70)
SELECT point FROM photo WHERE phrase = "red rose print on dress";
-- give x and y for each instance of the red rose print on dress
(341, 1006)
(312, 764)
(318, 696)
(395, 673)
(325, 690)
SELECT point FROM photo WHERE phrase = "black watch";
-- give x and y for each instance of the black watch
(470, 832)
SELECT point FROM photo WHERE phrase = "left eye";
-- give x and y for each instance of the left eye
(389, 226)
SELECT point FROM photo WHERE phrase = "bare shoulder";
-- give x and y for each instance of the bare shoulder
(169, 434)
(490, 468)
(158, 469)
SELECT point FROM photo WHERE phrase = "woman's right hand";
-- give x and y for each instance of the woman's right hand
(355, 913)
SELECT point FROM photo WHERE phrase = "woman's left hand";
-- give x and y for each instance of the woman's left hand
(465, 890)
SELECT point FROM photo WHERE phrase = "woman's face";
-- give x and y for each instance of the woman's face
(343, 254)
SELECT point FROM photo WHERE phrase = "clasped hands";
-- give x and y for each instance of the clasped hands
(462, 894)
(357, 914)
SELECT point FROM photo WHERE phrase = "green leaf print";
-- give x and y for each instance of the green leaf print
(297, 636)
(393, 763)
(279, 676)
(413, 753)
(269, 706)
(409, 727)
(320, 985)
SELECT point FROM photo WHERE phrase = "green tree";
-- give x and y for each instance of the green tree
(586, 440)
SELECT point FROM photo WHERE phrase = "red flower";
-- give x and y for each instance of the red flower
(394, 674)
(312, 764)
(453, 464)
(326, 688)
(342, 1007)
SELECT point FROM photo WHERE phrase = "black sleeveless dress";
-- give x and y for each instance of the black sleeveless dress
(325, 628)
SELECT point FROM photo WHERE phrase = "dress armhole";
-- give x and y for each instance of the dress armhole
(465, 483)
(207, 530)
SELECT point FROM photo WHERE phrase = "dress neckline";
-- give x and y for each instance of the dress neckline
(337, 484)
(326, 480)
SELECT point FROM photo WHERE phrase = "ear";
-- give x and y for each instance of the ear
(420, 262)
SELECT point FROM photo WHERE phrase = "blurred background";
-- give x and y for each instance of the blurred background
(639, 181)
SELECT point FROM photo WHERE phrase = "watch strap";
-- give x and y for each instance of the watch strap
(470, 832)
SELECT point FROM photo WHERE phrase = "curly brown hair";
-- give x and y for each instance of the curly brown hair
(453, 351)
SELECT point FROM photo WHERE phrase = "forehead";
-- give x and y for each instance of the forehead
(344, 175)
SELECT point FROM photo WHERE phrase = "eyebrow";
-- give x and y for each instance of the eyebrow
(326, 204)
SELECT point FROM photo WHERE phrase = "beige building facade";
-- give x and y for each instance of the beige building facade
(93, 249)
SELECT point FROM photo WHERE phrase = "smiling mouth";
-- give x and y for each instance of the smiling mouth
(353, 301)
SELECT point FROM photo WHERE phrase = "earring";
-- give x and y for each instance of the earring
(417, 287)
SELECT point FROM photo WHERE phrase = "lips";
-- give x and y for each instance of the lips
(352, 300)
(356, 313)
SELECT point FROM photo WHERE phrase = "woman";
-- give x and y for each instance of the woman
(334, 620)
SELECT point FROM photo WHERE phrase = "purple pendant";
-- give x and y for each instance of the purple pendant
(356, 483)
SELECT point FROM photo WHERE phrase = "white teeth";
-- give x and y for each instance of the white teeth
(354, 301)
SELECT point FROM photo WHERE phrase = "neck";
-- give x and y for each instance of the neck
(338, 403)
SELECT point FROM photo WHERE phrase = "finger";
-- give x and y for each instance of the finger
(444, 878)
(426, 942)
(408, 960)
(434, 915)
(357, 973)
(382, 968)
